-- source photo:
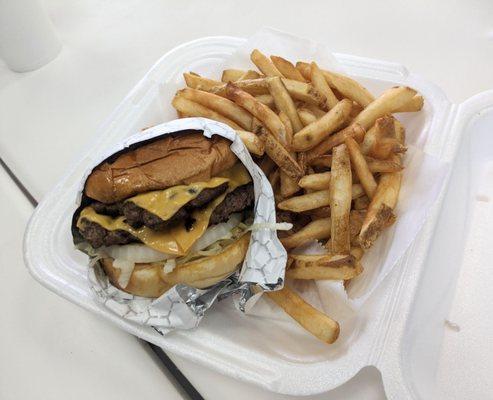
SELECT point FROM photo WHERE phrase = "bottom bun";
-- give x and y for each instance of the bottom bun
(145, 280)
(149, 280)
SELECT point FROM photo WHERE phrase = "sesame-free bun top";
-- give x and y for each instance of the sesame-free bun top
(175, 159)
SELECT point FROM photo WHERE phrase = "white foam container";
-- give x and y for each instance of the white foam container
(399, 330)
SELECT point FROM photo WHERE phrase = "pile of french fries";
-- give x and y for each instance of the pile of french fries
(332, 152)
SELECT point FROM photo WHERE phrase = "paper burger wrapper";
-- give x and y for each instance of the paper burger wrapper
(182, 306)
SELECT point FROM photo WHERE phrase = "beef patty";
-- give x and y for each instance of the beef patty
(237, 200)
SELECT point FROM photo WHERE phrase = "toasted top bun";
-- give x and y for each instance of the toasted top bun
(149, 280)
(173, 160)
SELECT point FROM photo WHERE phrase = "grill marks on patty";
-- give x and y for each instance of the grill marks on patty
(237, 200)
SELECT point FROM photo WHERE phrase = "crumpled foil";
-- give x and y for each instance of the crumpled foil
(182, 306)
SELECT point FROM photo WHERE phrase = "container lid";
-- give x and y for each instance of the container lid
(445, 350)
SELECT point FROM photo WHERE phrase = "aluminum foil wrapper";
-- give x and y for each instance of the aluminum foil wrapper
(182, 306)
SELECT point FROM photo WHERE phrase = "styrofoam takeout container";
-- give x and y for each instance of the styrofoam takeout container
(399, 329)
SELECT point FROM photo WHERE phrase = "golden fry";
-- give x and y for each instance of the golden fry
(320, 83)
(284, 102)
(313, 200)
(315, 230)
(325, 273)
(280, 155)
(287, 69)
(252, 142)
(306, 116)
(379, 214)
(219, 104)
(264, 64)
(231, 75)
(340, 200)
(389, 100)
(268, 117)
(316, 132)
(191, 109)
(361, 168)
(318, 324)
(347, 86)
(197, 82)
(415, 104)
(266, 99)
(355, 131)
(318, 181)
(305, 92)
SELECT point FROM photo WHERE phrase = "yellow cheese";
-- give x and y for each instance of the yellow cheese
(176, 240)
(165, 203)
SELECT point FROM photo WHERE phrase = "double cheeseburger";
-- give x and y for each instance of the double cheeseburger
(167, 211)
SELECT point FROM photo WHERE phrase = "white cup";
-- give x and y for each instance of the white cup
(27, 37)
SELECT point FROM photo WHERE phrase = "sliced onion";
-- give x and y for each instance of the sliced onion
(126, 268)
(136, 253)
(169, 266)
(216, 232)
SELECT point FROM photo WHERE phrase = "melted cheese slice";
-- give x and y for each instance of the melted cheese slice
(177, 240)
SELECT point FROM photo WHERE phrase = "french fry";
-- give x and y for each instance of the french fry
(318, 324)
(379, 166)
(322, 260)
(268, 117)
(320, 83)
(383, 127)
(266, 99)
(323, 161)
(361, 168)
(280, 155)
(316, 132)
(252, 142)
(255, 87)
(287, 126)
(306, 116)
(191, 109)
(379, 214)
(415, 104)
(231, 75)
(287, 69)
(264, 64)
(347, 86)
(355, 223)
(219, 104)
(389, 100)
(361, 203)
(197, 82)
(284, 102)
(357, 253)
(289, 186)
(385, 147)
(325, 273)
(354, 130)
(399, 131)
(315, 230)
(302, 161)
(313, 200)
(318, 181)
(250, 74)
(318, 112)
(257, 125)
(355, 110)
(305, 92)
(340, 200)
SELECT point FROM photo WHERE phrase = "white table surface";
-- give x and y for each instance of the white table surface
(46, 116)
